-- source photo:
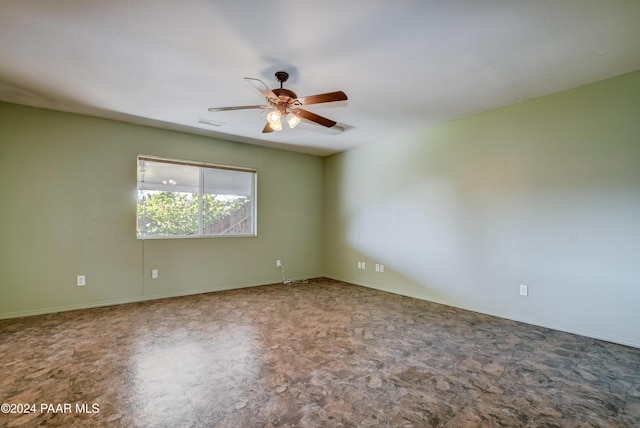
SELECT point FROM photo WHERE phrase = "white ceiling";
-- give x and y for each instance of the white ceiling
(405, 65)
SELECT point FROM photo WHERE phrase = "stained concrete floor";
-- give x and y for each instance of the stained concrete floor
(323, 354)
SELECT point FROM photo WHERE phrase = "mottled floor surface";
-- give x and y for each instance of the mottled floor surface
(323, 354)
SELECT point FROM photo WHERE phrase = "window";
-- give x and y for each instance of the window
(178, 199)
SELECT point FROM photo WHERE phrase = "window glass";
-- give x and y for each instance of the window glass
(227, 207)
(185, 199)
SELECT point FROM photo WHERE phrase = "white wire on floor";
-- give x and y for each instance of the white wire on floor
(285, 280)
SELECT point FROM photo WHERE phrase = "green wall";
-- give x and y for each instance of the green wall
(544, 193)
(68, 191)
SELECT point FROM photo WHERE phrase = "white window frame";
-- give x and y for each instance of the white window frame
(202, 166)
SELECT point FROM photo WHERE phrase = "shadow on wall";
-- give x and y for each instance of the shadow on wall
(472, 209)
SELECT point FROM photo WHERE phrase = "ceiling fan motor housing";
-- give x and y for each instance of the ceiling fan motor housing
(285, 95)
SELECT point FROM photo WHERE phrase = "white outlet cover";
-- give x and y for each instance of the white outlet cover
(524, 290)
(80, 280)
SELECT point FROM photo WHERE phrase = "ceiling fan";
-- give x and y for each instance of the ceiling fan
(285, 104)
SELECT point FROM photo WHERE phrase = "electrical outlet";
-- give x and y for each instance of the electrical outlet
(377, 267)
(80, 280)
(359, 265)
(154, 273)
(524, 290)
(381, 268)
(364, 266)
(278, 263)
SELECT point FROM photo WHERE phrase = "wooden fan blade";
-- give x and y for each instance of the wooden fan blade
(323, 98)
(267, 128)
(262, 88)
(304, 114)
(235, 108)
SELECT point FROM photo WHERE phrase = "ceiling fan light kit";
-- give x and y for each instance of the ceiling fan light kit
(273, 117)
(292, 120)
(285, 103)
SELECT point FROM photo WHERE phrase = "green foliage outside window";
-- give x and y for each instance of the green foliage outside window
(176, 214)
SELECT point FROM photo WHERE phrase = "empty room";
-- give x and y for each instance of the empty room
(331, 214)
